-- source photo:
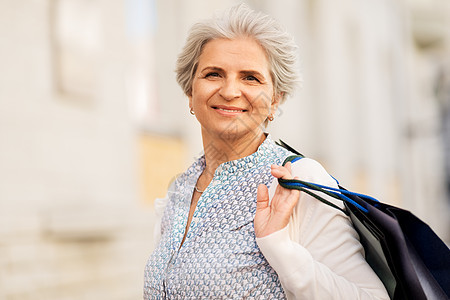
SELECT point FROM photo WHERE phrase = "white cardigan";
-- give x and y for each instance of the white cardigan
(318, 255)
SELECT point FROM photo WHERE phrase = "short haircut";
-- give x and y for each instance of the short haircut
(241, 21)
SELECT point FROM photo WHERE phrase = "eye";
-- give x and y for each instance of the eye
(212, 75)
(251, 78)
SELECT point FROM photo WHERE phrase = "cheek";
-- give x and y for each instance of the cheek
(201, 92)
(261, 102)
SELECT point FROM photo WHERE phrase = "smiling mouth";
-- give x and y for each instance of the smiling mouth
(229, 110)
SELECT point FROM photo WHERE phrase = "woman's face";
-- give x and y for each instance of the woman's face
(232, 91)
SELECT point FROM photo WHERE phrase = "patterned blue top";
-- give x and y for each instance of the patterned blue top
(219, 258)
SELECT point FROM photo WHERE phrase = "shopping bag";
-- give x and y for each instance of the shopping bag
(405, 253)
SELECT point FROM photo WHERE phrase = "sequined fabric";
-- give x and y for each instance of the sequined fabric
(219, 258)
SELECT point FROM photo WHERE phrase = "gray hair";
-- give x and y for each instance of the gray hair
(241, 21)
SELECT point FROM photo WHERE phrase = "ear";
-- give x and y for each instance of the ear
(275, 102)
(190, 101)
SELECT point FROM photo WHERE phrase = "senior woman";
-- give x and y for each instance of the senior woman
(228, 231)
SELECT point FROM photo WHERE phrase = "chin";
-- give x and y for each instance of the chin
(234, 132)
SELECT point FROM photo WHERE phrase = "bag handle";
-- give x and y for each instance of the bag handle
(338, 193)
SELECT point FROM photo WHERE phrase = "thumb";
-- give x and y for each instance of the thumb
(262, 197)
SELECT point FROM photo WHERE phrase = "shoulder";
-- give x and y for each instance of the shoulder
(306, 169)
(180, 185)
(310, 212)
(160, 204)
(310, 170)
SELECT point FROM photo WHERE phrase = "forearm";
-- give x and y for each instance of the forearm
(303, 277)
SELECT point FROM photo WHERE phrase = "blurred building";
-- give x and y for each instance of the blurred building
(93, 126)
(72, 225)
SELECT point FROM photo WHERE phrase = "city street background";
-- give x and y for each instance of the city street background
(93, 126)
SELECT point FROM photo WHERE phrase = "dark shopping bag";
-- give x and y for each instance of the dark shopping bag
(405, 253)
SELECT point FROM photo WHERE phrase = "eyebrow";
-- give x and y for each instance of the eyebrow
(244, 72)
(211, 68)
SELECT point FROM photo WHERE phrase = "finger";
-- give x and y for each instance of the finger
(281, 172)
(280, 190)
(295, 194)
(288, 166)
(262, 197)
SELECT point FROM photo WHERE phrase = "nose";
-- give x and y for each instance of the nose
(230, 89)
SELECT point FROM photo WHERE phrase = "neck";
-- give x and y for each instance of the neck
(219, 150)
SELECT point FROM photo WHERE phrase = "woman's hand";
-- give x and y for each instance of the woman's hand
(274, 217)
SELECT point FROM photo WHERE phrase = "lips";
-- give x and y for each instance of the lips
(231, 109)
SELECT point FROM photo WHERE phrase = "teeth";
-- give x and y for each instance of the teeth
(229, 110)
